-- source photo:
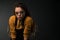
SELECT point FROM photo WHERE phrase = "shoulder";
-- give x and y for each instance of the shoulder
(28, 18)
(12, 18)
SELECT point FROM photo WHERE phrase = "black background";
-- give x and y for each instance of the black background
(44, 13)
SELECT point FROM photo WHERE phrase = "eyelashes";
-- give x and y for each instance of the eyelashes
(21, 12)
(16, 12)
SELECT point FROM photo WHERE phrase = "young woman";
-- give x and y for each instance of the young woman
(20, 24)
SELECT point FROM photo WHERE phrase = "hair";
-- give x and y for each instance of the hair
(24, 8)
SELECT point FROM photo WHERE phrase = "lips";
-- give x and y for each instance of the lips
(19, 17)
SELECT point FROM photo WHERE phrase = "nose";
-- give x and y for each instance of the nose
(19, 14)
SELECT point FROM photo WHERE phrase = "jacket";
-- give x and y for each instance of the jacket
(28, 26)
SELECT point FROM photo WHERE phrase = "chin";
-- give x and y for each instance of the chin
(19, 18)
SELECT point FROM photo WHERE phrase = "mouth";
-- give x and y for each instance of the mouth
(19, 17)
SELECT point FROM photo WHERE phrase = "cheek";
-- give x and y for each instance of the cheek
(19, 16)
(23, 15)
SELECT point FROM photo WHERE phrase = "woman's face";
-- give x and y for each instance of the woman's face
(19, 12)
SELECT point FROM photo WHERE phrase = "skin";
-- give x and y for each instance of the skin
(19, 13)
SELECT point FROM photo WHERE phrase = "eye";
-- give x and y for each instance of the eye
(16, 12)
(22, 12)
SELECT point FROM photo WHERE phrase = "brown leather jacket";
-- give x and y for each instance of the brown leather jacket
(27, 26)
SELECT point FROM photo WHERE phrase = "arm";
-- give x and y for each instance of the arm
(12, 28)
(27, 29)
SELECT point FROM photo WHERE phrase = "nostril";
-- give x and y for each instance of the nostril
(19, 14)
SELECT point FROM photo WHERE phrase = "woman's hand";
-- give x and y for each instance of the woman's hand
(25, 38)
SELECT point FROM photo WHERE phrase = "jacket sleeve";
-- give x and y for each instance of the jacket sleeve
(28, 27)
(12, 27)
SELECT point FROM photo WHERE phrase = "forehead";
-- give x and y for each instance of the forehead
(18, 9)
